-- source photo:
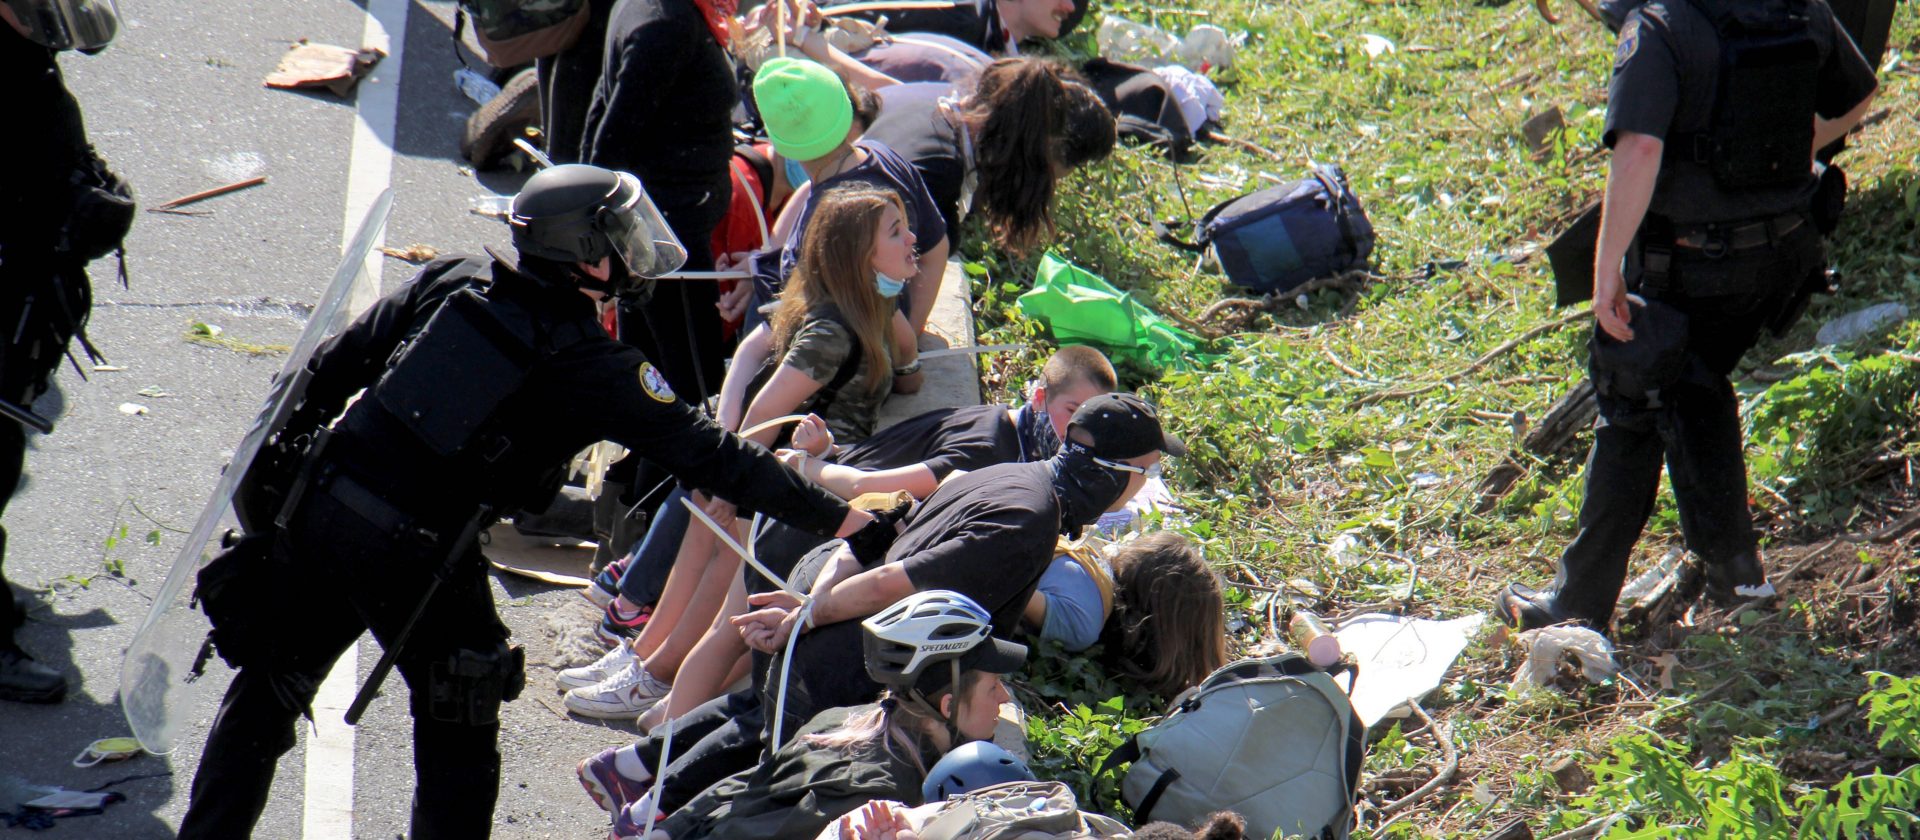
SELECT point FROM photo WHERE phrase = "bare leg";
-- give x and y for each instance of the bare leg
(689, 568)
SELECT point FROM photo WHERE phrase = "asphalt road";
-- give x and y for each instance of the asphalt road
(177, 105)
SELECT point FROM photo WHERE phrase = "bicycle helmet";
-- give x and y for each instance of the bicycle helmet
(929, 628)
(970, 767)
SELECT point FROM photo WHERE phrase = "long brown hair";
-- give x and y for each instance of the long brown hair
(1169, 619)
(896, 725)
(1033, 121)
(836, 266)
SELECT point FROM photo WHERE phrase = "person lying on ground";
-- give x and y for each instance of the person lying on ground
(939, 663)
(831, 326)
(1156, 608)
(1000, 147)
(997, 27)
(1010, 515)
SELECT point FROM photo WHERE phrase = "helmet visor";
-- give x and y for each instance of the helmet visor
(67, 24)
(639, 234)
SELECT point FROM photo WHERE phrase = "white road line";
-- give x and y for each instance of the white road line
(328, 804)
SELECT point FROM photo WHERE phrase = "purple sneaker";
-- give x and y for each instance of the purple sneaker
(629, 821)
(610, 789)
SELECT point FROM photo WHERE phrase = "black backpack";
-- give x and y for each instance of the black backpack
(1143, 105)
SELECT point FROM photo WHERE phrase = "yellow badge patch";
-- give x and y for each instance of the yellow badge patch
(654, 384)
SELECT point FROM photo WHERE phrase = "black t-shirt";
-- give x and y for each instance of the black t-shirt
(975, 24)
(988, 535)
(945, 439)
(912, 123)
(1665, 76)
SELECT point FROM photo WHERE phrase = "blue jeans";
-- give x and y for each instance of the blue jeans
(652, 558)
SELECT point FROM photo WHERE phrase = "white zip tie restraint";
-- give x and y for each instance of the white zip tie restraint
(659, 777)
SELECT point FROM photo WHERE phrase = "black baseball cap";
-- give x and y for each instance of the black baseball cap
(1121, 426)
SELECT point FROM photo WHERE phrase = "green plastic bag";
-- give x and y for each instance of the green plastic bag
(1082, 308)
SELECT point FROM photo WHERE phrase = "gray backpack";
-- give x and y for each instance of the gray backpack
(1274, 740)
(1020, 811)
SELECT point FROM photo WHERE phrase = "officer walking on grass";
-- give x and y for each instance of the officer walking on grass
(482, 378)
(1707, 235)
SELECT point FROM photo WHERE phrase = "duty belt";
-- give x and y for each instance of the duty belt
(1716, 240)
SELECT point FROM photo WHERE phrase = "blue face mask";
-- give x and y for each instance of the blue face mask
(796, 174)
(888, 286)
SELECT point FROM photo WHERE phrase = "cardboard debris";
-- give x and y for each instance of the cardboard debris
(337, 69)
(1400, 658)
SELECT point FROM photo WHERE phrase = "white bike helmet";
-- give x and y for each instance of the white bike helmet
(930, 628)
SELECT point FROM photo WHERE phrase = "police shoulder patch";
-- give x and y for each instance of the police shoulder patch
(654, 384)
(1629, 42)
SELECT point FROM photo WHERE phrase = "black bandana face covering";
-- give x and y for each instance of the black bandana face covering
(1037, 440)
(1085, 489)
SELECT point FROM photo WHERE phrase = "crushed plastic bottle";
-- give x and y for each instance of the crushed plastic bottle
(478, 88)
(1207, 48)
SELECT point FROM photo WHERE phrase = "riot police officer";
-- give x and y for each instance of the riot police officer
(481, 379)
(60, 208)
(1714, 113)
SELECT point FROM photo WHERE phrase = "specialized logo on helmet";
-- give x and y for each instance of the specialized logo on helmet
(654, 384)
(946, 646)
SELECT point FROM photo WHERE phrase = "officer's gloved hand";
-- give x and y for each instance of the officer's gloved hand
(869, 544)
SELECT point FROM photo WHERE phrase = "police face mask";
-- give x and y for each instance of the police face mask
(1085, 488)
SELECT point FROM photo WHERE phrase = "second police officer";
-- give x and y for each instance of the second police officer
(482, 378)
(1707, 236)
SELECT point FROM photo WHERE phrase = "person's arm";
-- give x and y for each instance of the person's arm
(768, 628)
(1630, 180)
(848, 482)
(926, 283)
(1826, 131)
(642, 74)
(747, 359)
(665, 430)
(783, 393)
(906, 350)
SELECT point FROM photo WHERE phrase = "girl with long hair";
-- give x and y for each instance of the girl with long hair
(1001, 147)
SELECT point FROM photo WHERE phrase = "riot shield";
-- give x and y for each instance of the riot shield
(158, 691)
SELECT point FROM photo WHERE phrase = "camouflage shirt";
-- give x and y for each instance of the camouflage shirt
(825, 349)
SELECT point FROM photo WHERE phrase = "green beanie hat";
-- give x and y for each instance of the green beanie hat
(804, 107)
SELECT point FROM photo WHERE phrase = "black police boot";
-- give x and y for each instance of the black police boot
(1524, 608)
(1738, 580)
(25, 681)
(22, 602)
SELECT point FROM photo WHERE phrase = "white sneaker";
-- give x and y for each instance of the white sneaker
(613, 662)
(622, 696)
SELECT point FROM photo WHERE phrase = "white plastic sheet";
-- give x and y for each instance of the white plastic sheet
(1400, 658)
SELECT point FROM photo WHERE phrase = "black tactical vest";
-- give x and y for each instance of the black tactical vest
(1761, 134)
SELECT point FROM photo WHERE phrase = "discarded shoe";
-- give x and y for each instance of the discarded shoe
(616, 660)
(610, 789)
(23, 680)
(622, 696)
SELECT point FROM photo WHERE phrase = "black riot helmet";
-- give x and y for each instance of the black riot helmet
(577, 213)
(85, 25)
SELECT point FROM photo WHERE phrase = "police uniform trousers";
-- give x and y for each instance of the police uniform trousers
(32, 345)
(351, 576)
(1694, 432)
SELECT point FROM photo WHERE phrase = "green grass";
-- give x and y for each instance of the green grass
(1360, 411)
